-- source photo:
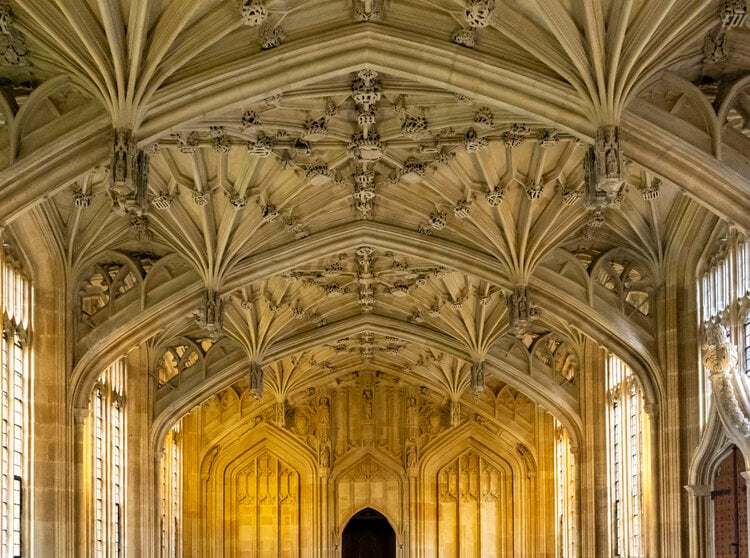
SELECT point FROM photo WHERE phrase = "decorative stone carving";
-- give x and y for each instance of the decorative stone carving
(715, 49)
(484, 118)
(462, 209)
(650, 189)
(317, 174)
(366, 89)
(250, 119)
(269, 213)
(534, 191)
(200, 198)
(479, 12)
(255, 374)
(81, 199)
(515, 135)
(473, 143)
(211, 316)
(366, 149)
(719, 354)
(496, 196)
(476, 382)
(254, 12)
(187, 142)
(733, 13)
(569, 194)
(368, 10)
(270, 36)
(261, 146)
(128, 175)
(414, 127)
(604, 172)
(549, 138)
(413, 170)
(237, 200)
(139, 226)
(520, 311)
(465, 37)
(315, 128)
(720, 360)
(438, 219)
(12, 41)
(219, 139)
(364, 192)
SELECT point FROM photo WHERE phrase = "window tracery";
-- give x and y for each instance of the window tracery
(171, 494)
(15, 302)
(565, 490)
(625, 422)
(107, 458)
(724, 296)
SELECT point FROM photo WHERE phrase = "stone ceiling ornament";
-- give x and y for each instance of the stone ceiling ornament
(496, 196)
(715, 49)
(255, 375)
(254, 12)
(368, 10)
(733, 13)
(604, 171)
(270, 36)
(650, 189)
(128, 176)
(521, 312)
(476, 383)
(364, 192)
(478, 13)
(515, 135)
(12, 42)
(211, 316)
(465, 37)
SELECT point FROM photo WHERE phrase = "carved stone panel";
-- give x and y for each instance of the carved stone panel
(474, 508)
(268, 510)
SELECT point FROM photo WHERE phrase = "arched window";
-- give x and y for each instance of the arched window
(171, 491)
(625, 422)
(565, 490)
(107, 444)
(15, 303)
(746, 340)
(724, 288)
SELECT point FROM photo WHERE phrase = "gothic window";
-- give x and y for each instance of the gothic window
(171, 490)
(108, 461)
(15, 291)
(625, 459)
(565, 489)
(724, 287)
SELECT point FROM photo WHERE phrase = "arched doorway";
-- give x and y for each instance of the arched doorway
(730, 508)
(368, 535)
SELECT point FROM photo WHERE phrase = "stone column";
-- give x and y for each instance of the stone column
(81, 472)
(701, 537)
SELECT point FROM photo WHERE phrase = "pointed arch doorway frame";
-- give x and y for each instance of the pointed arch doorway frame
(368, 534)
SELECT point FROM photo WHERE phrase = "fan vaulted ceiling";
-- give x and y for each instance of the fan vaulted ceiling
(343, 186)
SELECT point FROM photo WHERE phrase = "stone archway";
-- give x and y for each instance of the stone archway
(368, 535)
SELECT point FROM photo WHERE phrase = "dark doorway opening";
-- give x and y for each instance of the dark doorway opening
(368, 535)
